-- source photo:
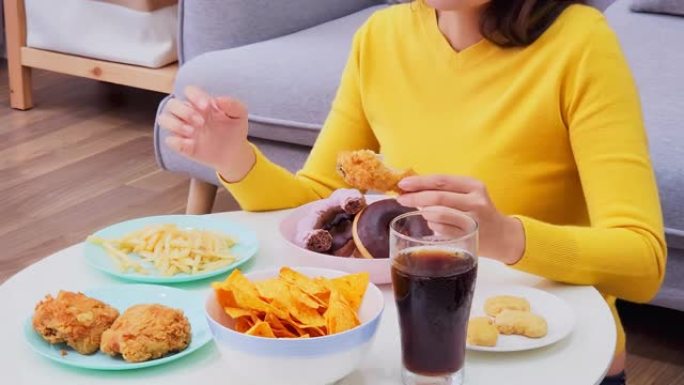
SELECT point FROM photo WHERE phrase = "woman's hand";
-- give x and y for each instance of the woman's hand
(212, 131)
(501, 237)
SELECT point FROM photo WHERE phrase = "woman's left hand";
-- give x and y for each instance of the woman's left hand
(501, 237)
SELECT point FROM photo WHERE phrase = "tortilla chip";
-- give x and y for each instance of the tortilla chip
(279, 328)
(243, 324)
(261, 329)
(305, 283)
(224, 297)
(236, 312)
(352, 287)
(340, 316)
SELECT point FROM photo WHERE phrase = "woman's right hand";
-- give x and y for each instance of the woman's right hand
(212, 131)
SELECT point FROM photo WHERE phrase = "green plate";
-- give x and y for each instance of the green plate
(245, 248)
(121, 297)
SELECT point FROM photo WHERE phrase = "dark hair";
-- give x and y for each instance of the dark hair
(518, 23)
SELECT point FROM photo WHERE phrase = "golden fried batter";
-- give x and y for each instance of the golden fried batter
(364, 170)
(146, 332)
(494, 305)
(521, 323)
(482, 332)
(75, 319)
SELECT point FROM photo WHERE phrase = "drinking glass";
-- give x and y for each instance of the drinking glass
(434, 266)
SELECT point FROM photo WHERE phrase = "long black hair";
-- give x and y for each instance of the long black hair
(518, 23)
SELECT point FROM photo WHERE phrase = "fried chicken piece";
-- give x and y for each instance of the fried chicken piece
(146, 332)
(365, 170)
(75, 319)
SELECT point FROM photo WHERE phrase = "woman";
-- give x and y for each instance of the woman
(522, 113)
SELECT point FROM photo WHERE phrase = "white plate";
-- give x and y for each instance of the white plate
(559, 316)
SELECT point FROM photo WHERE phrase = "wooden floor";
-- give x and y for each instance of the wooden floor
(83, 159)
(80, 160)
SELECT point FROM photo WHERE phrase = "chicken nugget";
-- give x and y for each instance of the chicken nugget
(74, 319)
(495, 305)
(482, 332)
(521, 323)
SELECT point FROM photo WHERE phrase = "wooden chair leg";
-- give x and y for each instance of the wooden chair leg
(201, 197)
(19, 76)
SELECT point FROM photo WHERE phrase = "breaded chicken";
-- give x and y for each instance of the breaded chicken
(146, 332)
(75, 319)
(495, 305)
(521, 322)
(365, 170)
(482, 332)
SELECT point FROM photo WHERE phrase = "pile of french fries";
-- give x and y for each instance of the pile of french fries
(169, 249)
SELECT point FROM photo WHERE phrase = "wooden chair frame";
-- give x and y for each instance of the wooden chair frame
(20, 60)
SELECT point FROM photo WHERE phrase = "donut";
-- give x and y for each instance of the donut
(326, 227)
(371, 227)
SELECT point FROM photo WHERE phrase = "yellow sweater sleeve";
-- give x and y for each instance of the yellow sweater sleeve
(270, 187)
(623, 252)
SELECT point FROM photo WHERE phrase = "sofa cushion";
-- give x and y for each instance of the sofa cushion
(673, 7)
(649, 42)
(210, 25)
(288, 81)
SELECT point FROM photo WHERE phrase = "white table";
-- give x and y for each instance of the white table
(582, 358)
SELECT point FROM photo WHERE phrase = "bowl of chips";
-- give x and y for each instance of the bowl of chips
(294, 326)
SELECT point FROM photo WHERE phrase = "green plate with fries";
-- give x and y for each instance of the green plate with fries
(170, 248)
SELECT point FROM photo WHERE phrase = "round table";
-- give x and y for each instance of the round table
(582, 358)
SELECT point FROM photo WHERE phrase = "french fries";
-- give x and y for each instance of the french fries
(169, 249)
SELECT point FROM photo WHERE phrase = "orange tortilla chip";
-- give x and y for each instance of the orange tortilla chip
(305, 298)
(261, 329)
(316, 331)
(279, 328)
(243, 324)
(247, 300)
(340, 316)
(307, 316)
(352, 287)
(236, 312)
(305, 283)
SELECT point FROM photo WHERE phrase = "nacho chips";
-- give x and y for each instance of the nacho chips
(292, 305)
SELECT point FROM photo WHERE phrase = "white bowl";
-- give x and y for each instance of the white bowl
(379, 269)
(286, 361)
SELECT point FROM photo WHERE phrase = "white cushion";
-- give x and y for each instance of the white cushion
(104, 31)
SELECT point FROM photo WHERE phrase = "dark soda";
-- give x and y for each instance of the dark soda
(433, 288)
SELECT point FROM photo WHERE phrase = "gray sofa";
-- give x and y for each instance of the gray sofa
(284, 60)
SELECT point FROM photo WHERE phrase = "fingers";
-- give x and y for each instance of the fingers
(458, 201)
(233, 108)
(446, 230)
(459, 184)
(198, 98)
(183, 146)
(185, 112)
(175, 125)
(449, 217)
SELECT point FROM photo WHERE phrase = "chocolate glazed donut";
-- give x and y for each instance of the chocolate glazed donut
(371, 227)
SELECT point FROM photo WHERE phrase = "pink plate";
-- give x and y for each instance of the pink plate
(379, 269)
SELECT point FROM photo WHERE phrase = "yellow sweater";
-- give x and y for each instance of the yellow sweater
(554, 130)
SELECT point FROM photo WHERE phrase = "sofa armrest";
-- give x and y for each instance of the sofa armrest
(209, 25)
